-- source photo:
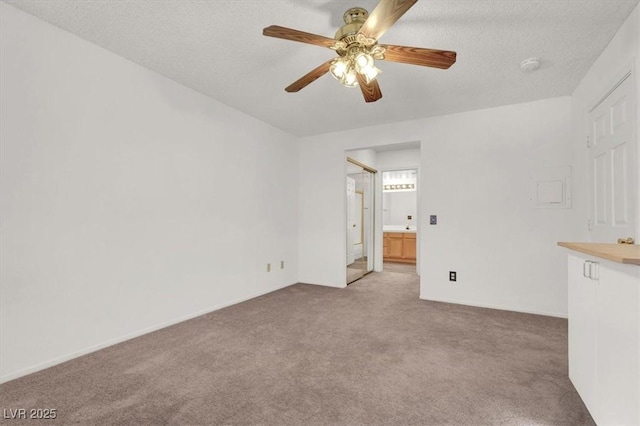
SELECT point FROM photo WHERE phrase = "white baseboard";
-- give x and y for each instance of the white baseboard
(502, 308)
(76, 354)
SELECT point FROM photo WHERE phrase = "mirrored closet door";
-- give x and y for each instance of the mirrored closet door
(359, 232)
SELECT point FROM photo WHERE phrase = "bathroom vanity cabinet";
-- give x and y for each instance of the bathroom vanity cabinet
(400, 247)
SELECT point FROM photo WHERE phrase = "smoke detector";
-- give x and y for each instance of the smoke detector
(530, 64)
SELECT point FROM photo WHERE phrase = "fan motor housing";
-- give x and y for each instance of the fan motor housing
(353, 19)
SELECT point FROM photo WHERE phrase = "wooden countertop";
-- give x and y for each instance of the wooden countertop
(621, 253)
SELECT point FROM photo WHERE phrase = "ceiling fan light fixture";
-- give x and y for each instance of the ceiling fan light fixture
(339, 68)
(363, 60)
(342, 69)
(370, 73)
(350, 79)
(357, 48)
(365, 65)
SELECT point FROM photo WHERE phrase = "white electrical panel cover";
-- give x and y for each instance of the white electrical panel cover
(551, 188)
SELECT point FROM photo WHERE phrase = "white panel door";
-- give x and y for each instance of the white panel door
(613, 166)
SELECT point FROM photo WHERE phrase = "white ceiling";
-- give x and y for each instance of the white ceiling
(217, 48)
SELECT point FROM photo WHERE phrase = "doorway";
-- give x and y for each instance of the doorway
(613, 165)
(360, 183)
(399, 219)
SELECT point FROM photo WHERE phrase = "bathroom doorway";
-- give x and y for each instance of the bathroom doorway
(400, 219)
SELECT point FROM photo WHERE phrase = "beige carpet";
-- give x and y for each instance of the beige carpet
(406, 268)
(372, 353)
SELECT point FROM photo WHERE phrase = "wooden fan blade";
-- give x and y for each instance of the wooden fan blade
(370, 91)
(309, 78)
(419, 56)
(295, 35)
(386, 13)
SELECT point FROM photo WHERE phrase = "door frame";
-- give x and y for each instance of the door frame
(373, 195)
(419, 221)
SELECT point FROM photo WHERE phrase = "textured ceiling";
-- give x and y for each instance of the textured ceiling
(217, 48)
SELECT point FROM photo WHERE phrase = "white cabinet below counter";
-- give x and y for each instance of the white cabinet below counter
(604, 337)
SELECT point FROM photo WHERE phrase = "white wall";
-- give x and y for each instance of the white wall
(621, 56)
(397, 206)
(476, 171)
(400, 159)
(475, 177)
(129, 202)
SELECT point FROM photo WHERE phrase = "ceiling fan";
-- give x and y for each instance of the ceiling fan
(356, 44)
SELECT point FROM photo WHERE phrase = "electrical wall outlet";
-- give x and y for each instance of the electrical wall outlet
(453, 276)
(268, 267)
(282, 264)
(433, 219)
